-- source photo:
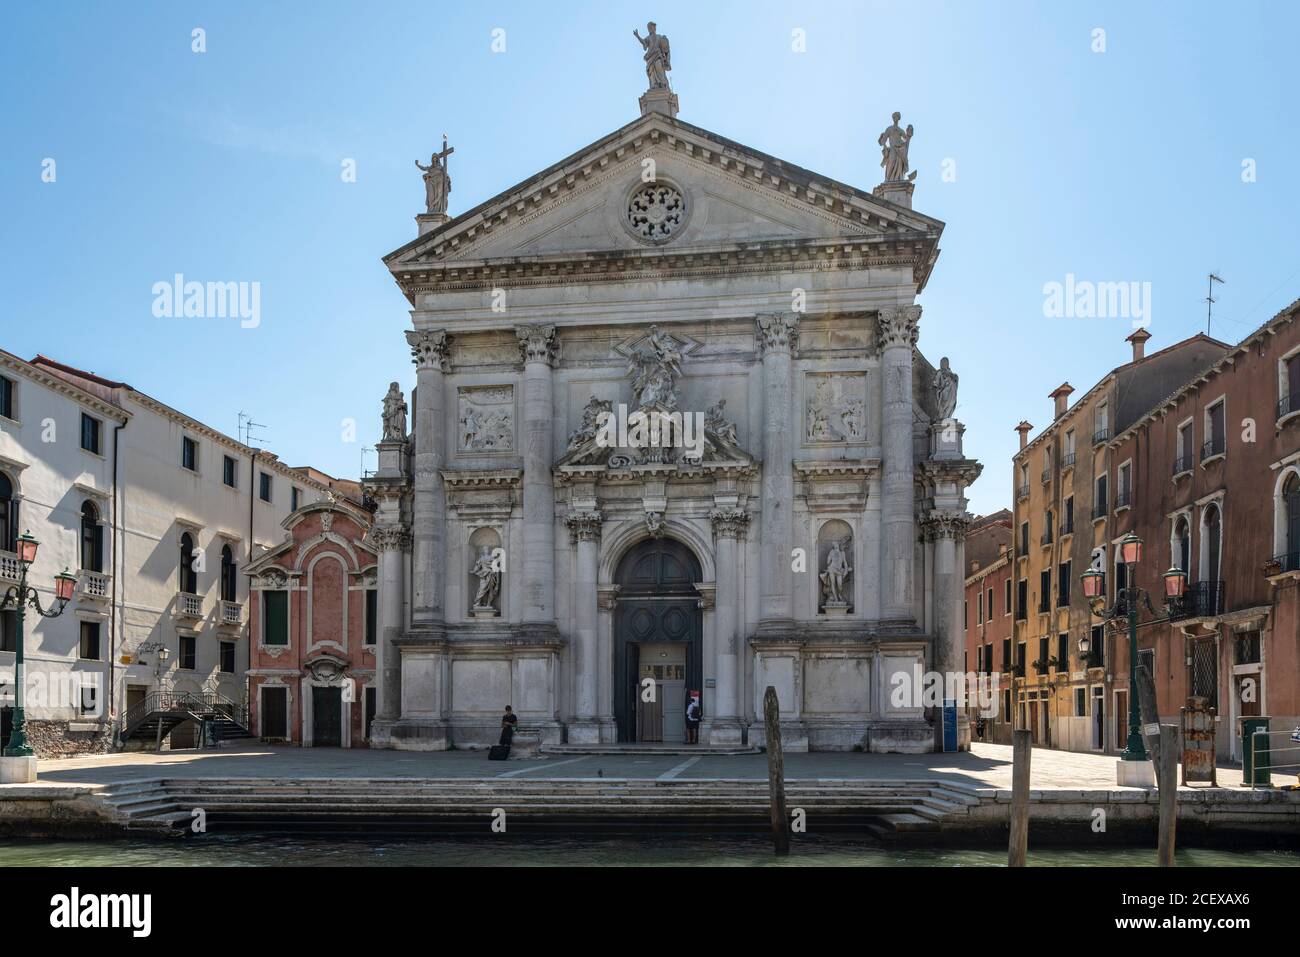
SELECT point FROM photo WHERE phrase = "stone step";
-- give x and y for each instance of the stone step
(645, 749)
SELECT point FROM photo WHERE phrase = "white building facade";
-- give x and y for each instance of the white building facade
(156, 514)
(805, 533)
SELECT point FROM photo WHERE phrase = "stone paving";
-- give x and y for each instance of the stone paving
(987, 765)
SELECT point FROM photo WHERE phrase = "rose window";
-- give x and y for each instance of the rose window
(655, 212)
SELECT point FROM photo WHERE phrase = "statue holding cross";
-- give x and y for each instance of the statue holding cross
(437, 182)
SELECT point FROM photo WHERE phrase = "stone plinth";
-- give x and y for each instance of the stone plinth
(835, 609)
(526, 745)
(659, 101)
(484, 611)
(898, 192)
(426, 222)
(392, 459)
(18, 770)
(1135, 774)
(946, 439)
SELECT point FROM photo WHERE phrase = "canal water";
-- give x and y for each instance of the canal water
(252, 851)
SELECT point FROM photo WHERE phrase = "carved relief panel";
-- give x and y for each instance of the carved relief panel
(485, 419)
(835, 409)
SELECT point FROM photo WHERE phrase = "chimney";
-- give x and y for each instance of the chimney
(1139, 340)
(1024, 428)
(1062, 397)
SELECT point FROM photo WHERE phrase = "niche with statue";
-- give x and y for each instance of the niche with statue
(835, 569)
(486, 564)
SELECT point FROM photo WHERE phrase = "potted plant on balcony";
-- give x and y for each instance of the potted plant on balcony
(1272, 567)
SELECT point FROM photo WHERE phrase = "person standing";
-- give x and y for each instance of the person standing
(693, 715)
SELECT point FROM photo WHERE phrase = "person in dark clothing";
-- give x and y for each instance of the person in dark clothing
(693, 714)
(508, 722)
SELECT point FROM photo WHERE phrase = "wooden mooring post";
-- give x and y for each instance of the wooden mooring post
(1168, 794)
(775, 772)
(1018, 844)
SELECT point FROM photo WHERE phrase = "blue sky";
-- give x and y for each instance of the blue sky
(1123, 165)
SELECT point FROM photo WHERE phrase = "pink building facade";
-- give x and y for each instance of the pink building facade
(312, 623)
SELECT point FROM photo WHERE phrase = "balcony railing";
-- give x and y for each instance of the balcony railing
(1022, 493)
(1215, 446)
(1046, 538)
(1123, 500)
(1288, 404)
(1290, 562)
(1182, 464)
(10, 567)
(1101, 435)
(94, 585)
(1100, 510)
(232, 613)
(1067, 527)
(189, 606)
(1067, 460)
(1201, 600)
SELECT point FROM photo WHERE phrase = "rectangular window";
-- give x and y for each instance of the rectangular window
(1006, 597)
(275, 712)
(275, 617)
(1063, 652)
(89, 641)
(1042, 655)
(1020, 657)
(6, 397)
(1215, 433)
(186, 656)
(1006, 706)
(372, 615)
(1022, 599)
(979, 609)
(228, 657)
(8, 630)
(1186, 446)
(1063, 583)
(1124, 489)
(965, 613)
(371, 699)
(1067, 516)
(1080, 703)
(1097, 647)
(989, 604)
(189, 453)
(264, 486)
(229, 471)
(1101, 503)
(293, 498)
(1044, 590)
(1024, 538)
(1006, 654)
(90, 433)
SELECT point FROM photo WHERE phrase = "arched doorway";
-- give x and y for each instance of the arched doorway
(658, 637)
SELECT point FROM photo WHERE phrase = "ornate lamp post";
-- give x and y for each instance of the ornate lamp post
(1126, 606)
(16, 597)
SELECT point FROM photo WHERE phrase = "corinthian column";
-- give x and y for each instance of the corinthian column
(392, 541)
(584, 531)
(777, 338)
(729, 527)
(897, 337)
(947, 530)
(537, 343)
(429, 351)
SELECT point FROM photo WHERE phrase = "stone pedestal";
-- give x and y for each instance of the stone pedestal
(898, 192)
(659, 101)
(1135, 774)
(484, 611)
(526, 745)
(426, 222)
(946, 439)
(18, 770)
(835, 609)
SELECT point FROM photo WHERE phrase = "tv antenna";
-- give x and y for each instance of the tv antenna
(364, 473)
(246, 427)
(1210, 300)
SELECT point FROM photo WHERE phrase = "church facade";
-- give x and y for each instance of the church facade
(671, 437)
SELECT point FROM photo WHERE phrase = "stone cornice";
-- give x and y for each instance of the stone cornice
(837, 467)
(681, 262)
(601, 473)
(482, 478)
(62, 386)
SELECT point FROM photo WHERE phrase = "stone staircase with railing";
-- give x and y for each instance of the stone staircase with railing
(463, 805)
(161, 712)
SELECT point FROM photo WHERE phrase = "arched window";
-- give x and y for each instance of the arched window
(1182, 545)
(92, 539)
(189, 580)
(1210, 543)
(8, 515)
(1291, 516)
(227, 574)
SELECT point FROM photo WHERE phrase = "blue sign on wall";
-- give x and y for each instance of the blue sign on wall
(949, 724)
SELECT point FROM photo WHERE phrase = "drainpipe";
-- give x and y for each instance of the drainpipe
(113, 606)
(248, 624)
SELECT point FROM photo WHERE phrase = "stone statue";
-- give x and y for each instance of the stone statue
(437, 181)
(715, 422)
(489, 579)
(394, 415)
(893, 152)
(657, 58)
(836, 574)
(945, 389)
(655, 370)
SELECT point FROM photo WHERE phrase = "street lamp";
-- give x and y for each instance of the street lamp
(1126, 606)
(15, 598)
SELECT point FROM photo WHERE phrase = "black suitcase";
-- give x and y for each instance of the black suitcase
(499, 752)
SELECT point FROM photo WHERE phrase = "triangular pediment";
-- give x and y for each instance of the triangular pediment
(659, 185)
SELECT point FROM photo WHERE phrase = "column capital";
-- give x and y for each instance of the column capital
(730, 523)
(941, 525)
(584, 526)
(537, 343)
(389, 538)
(899, 326)
(430, 349)
(778, 332)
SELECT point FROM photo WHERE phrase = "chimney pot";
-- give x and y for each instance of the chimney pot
(1139, 339)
